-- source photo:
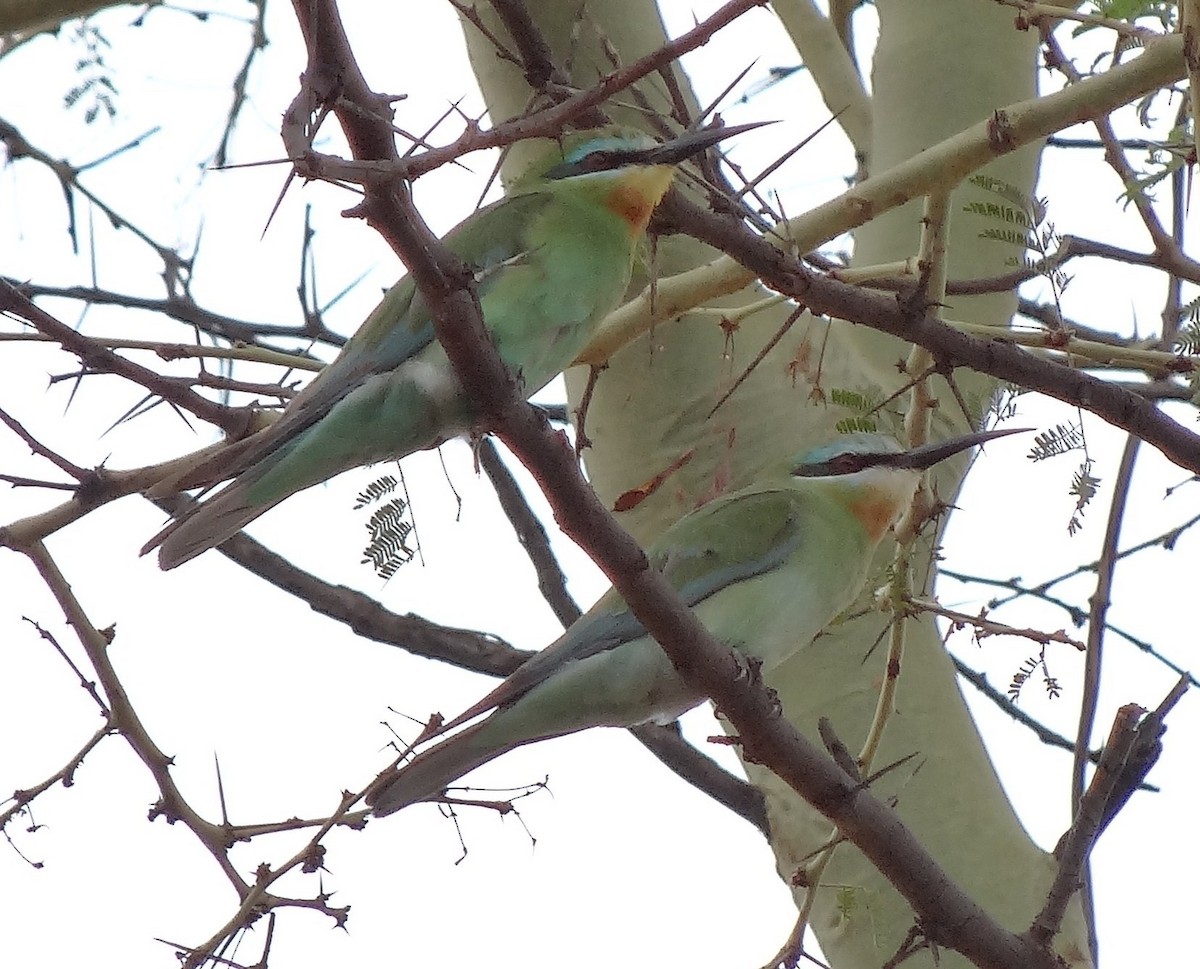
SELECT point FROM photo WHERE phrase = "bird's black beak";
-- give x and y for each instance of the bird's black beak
(692, 143)
(927, 455)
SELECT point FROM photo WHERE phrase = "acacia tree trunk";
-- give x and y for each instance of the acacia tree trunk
(940, 65)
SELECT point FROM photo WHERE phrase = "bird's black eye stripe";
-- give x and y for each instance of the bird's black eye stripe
(839, 464)
(600, 160)
(596, 161)
(605, 159)
(846, 463)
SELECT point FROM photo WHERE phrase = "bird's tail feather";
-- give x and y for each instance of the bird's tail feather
(428, 774)
(209, 524)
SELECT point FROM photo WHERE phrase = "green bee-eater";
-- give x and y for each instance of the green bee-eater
(765, 569)
(552, 259)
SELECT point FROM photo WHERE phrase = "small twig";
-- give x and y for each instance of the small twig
(1100, 600)
(1010, 709)
(20, 481)
(582, 441)
(989, 627)
(1036, 12)
(470, 13)
(258, 43)
(552, 581)
(1169, 255)
(74, 470)
(1092, 661)
(88, 685)
(68, 177)
(105, 361)
(23, 797)
(1077, 615)
(759, 357)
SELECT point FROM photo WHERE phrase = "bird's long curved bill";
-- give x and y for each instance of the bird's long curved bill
(927, 455)
(683, 147)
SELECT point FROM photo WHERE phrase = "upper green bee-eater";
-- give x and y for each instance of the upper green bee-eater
(552, 259)
(765, 569)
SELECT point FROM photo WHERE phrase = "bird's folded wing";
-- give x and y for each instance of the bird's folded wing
(728, 541)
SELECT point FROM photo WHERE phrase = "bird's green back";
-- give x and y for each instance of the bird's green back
(724, 544)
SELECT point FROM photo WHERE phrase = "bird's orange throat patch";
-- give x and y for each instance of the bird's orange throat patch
(875, 510)
(636, 194)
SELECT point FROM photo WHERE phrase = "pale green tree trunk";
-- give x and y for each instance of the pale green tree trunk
(941, 66)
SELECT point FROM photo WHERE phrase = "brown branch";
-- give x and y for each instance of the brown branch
(99, 487)
(183, 308)
(552, 581)
(984, 627)
(1047, 14)
(365, 617)
(1181, 180)
(105, 361)
(1133, 747)
(1049, 315)
(376, 161)
(470, 13)
(705, 774)
(1070, 247)
(1091, 673)
(74, 470)
(1167, 252)
(23, 797)
(535, 56)
(216, 838)
(829, 297)
(171, 804)
(1078, 616)
(68, 177)
(258, 43)
(1101, 598)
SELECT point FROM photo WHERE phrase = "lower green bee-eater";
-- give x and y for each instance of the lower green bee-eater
(765, 569)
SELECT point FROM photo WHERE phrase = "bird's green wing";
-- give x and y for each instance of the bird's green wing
(401, 326)
(730, 540)
(398, 329)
